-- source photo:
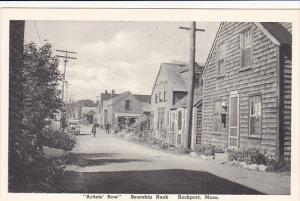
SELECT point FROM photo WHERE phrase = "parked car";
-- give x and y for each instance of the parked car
(74, 126)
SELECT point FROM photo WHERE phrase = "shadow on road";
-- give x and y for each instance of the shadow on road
(94, 159)
(170, 181)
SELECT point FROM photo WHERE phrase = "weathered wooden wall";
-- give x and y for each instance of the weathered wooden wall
(261, 78)
(287, 102)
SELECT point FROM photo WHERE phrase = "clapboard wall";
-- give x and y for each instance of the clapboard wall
(261, 78)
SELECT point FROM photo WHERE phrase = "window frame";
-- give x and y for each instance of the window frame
(161, 119)
(165, 91)
(249, 116)
(219, 59)
(219, 116)
(243, 48)
(130, 105)
(181, 120)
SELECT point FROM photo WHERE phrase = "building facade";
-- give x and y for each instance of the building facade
(168, 101)
(247, 88)
(122, 110)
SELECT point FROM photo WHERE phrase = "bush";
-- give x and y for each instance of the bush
(40, 175)
(278, 166)
(255, 156)
(58, 139)
(206, 149)
(250, 156)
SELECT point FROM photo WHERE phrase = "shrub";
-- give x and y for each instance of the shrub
(40, 175)
(206, 149)
(255, 156)
(58, 139)
(278, 166)
(250, 156)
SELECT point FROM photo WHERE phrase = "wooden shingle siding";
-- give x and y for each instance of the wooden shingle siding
(287, 84)
(260, 78)
(198, 124)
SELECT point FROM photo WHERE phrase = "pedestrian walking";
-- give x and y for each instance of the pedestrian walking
(94, 127)
(107, 126)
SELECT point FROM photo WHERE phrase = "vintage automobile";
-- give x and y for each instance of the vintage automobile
(74, 126)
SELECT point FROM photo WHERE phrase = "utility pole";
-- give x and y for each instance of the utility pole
(67, 84)
(190, 95)
(66, 59)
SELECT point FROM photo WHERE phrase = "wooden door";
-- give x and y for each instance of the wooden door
(233, 136)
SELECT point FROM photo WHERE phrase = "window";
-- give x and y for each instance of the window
(217, 117)
(245, 48)
(255, 115)
(179, 120)
(161, 119)
(165, 90)
(173, 116)
(221, 59)
(197, 80)
(127, 104)
(156, 98)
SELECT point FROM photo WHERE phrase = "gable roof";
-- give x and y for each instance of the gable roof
(175, 80)
(170, 67)
(106, 96)
(182, 103)
(143, 98)
(279, 32)
(119, 97)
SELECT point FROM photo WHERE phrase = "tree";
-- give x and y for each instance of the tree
(41, 80)
(40, 100)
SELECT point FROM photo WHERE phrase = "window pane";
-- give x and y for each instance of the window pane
(179, 139)
(233, 111)
(233, 142)
(221, 67)
(233, 132)
(217, 116)
(255, 115)
(221, 51)
(216, 124)
(179, 119)
(246, 57)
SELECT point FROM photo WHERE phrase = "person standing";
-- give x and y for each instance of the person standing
(94, 129)
(106, 128)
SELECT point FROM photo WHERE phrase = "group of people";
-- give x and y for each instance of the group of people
(94, 128)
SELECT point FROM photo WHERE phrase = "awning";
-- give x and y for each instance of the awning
(126, 115)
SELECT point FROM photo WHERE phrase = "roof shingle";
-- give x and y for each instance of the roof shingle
(278, 31)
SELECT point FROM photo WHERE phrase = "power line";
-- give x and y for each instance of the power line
(37, 31)
(66, 59)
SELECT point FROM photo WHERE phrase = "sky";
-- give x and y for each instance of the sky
(124, 56)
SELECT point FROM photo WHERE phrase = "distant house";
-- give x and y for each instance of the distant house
(100, 100)
(247, 88)
(122, 110)
(168, 101)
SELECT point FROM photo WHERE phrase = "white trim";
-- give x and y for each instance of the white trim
(267, 33)
(233, 95)
(212, 48)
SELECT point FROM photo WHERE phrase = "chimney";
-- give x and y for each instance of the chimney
(112, 92)
(105, 91)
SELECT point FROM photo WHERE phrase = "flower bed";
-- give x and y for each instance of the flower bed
(254, 159)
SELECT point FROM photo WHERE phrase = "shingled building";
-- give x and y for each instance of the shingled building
(247, 88)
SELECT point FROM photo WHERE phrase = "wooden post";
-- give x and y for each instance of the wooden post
(190, 95)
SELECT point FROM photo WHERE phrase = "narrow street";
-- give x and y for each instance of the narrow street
(110, 164)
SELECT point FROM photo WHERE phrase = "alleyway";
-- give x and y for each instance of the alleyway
(110, 164)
